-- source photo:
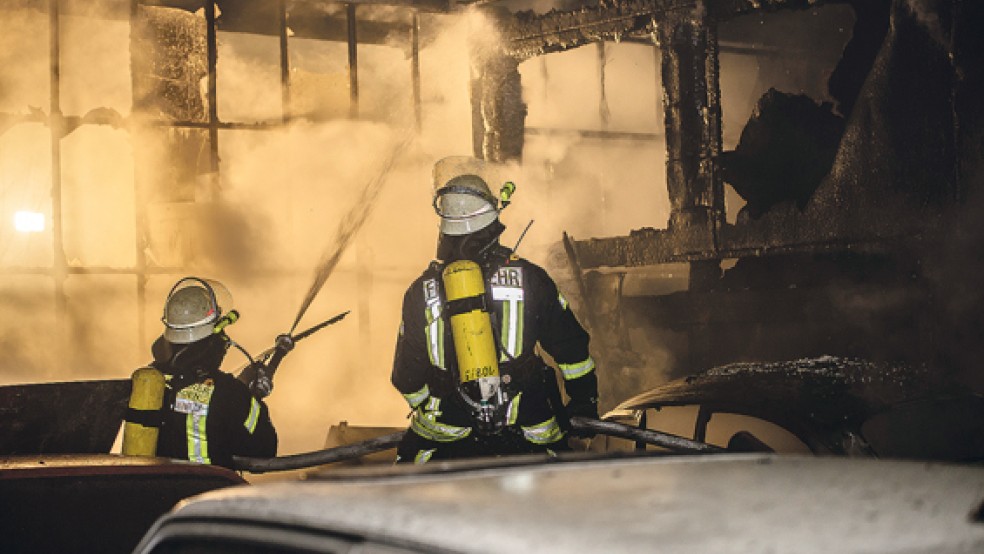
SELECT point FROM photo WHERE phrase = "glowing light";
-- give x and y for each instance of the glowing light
(29, 222)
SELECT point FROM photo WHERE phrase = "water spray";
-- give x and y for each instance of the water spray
(347, 229)
(349, 226)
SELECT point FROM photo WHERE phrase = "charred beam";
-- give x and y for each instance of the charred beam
(692, 111)
(648, 247)
(498, 111)
(529, 34)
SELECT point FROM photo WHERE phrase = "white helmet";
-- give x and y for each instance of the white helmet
(465, 205)
(193, 308)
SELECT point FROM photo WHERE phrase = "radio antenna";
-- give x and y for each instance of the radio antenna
(528, 225)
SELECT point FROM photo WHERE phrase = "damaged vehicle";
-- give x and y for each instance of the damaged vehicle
(736, 486)
(63, 491)
(826, 405)
(728, 503)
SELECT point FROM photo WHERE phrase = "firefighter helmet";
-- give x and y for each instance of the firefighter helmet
(193, 308)
(465, 205)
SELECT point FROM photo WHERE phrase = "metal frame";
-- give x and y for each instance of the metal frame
(60, 269)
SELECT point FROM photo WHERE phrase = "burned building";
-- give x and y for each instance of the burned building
(738, 180)
(856, 236)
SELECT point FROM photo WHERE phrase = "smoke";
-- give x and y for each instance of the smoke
(348, 227)
(339, 198)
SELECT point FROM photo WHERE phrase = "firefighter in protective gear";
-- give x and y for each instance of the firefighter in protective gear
(207, 415)
(511, 403)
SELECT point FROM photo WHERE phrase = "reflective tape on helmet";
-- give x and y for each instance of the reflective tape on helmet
(424, 456)
(544, 433)
(580, 369)
(415, 398)
(253, 417)
(426, 425)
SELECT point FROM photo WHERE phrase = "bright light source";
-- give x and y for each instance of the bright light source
(29, 222)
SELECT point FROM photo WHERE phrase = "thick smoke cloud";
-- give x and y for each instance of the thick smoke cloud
(262, 226)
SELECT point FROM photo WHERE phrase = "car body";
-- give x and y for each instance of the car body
(721, 503)
(823, 405)
(60, 488)
(91, 503)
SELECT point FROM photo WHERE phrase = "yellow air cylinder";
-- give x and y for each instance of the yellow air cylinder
(146, 394)
(471, 326)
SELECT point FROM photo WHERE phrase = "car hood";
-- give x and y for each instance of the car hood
(824, 393)
(722, 504)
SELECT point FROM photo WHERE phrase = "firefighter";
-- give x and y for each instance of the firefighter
(206, 414)
(475, 398)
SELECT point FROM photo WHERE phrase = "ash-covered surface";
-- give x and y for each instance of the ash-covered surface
(825, 391)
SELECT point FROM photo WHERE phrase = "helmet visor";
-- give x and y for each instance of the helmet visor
(192, 309)
(463, 210)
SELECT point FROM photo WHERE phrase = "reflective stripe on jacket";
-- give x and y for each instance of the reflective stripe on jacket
(527, 310)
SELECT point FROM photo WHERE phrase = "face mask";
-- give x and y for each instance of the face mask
(474, 246)
(204, 354)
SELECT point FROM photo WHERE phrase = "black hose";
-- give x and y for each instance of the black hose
(648, 436)
(385, 442)
(318, 457)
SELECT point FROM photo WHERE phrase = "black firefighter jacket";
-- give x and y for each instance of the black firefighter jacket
(527, 310)
(212, 416)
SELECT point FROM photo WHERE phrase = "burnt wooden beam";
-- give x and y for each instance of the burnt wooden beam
(529, 34)
(498, 111)
(648, 246)
(692, 113)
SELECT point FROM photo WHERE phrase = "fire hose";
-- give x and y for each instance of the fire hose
(671, 442)
(284, 344)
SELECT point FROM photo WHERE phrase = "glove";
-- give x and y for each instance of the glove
(262, 384)
(582, 407)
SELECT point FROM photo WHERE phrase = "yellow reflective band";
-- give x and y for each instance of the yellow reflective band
(433, 404)
(513, 411)
(435, 334)
(580, 369)
(424, 456)
(544, 433)
(512, 328)
(562, 300)
(415, 398)
(254, 416)
(425, 425)
(197, 438)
